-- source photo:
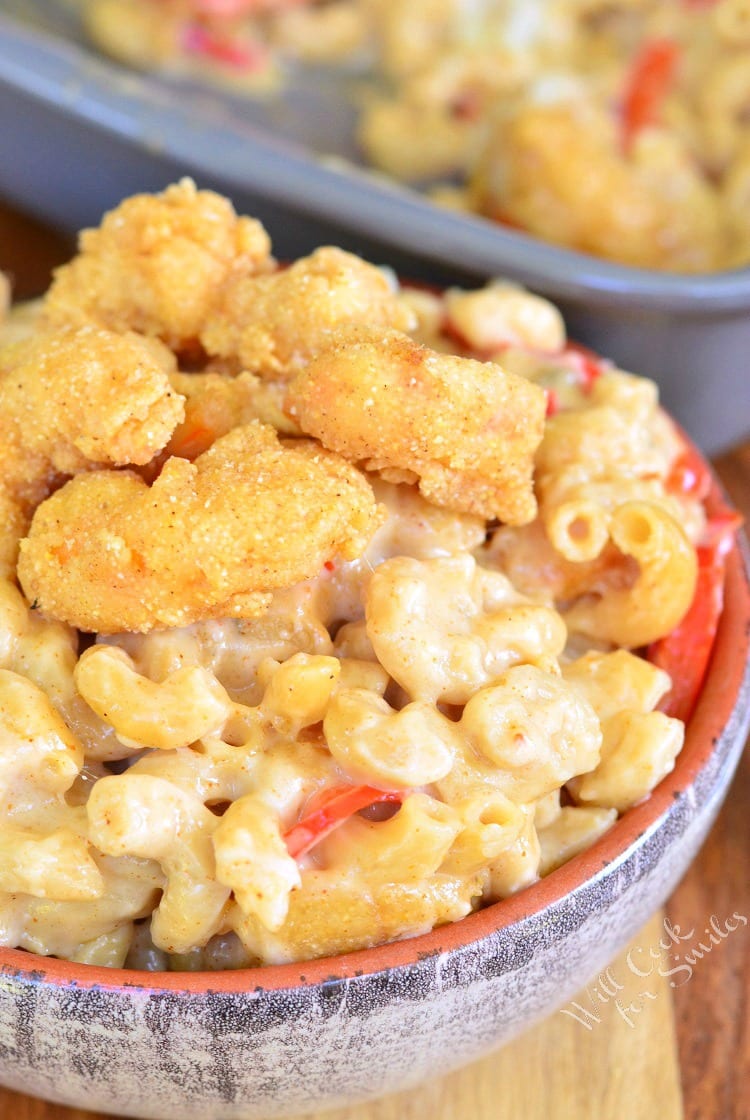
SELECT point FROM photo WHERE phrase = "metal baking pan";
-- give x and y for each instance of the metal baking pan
(78, 133)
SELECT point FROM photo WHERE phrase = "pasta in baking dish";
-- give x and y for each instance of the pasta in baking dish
(331, 609)
(620, 128)
(616, 127)
(244, 44)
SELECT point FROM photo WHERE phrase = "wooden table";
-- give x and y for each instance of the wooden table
(685, 1055)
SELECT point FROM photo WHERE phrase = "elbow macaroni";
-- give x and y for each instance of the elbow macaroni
(474, 679)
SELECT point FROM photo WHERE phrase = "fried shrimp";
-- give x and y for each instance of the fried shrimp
(208, 539)
(76, 398)
(215, 403)
(73, 400)
(157, 263)
(273, 325)
(466, 430)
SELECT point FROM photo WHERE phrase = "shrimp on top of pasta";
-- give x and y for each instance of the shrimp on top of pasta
(331, 609)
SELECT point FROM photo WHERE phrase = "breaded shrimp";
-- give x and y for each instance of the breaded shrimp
(157, 263)
(466, 429)
(217, 402)
(273, 325)
(74, 399)
(209, 539)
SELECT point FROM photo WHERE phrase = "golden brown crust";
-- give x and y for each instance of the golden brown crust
(156, 264)
(209, 539)
(75, 399)
(273, 325)
(468, 430)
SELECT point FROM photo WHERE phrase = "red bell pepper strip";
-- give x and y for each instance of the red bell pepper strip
(651, 75)
(496, 213)
(329, 809)
(226, 8)
(686, 651)
(588, 365)
(247, 56)
(231, 9)
(721, 527)
(689, 475)
(553, 403)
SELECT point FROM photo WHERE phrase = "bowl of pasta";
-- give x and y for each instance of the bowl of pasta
(373, 662)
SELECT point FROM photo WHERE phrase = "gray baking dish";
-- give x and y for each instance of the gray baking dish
(78, 133)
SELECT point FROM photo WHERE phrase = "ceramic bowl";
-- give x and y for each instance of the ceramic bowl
(283, 1040)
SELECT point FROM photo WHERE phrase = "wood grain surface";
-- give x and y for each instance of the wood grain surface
(685, 1051)
(712, 1009)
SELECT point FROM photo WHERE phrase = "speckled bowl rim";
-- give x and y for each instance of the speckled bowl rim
(726, 690)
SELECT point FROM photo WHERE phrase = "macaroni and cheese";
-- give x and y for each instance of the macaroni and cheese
(616, 127)
(323, 599)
